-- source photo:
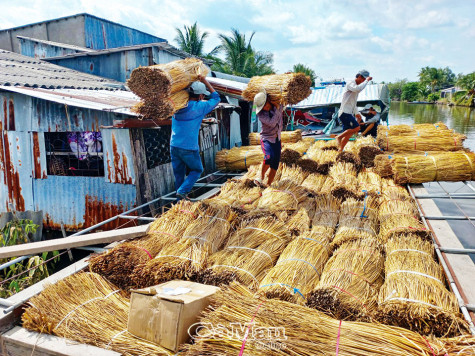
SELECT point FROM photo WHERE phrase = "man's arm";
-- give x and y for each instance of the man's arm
(358, 88)
(209, 105)
(374, 119)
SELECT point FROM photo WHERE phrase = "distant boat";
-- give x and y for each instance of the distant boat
(420, 102)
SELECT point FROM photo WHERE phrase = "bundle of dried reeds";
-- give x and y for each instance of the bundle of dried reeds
(318, 183)
(289, 156)
(282, 195)
(285, 89)
(309, 166)
(307, 332)
(160, 81)
(414, 295)
(393, 225)
(349, 157)
(396, 207)
(370, 183)
(366, 149)
(443, 166)
(327, 210)
(382, 165)
(393, 191)
(301, 146)
(436, 141)
(241, 194)
(162, 109)
(298, 268)
(350, 281)
(87, 309)
(293, 173)
(345, 181)
(239, 158)
(285, 136)
(404, 130)
(299, 223)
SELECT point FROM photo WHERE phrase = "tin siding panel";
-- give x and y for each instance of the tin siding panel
(118, 157)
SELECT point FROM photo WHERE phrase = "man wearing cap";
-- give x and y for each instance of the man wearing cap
(271, 118)
(186, 123)
(348, 108)
(370, 125)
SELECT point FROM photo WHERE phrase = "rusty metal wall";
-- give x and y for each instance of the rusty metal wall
(118, 164)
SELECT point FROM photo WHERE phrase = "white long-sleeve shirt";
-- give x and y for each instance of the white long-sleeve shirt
(350, 96)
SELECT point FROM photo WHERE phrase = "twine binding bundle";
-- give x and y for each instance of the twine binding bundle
(393, 225)
(86, 309)
(327, 211)
(239, 158)
(350, 281)
(285, 89)
(414, 295)
(318, 183)
(285, 137)
(283, 195)
(370, 183)
(436, 141)
(299, 223)
(382, 165)
(307, 332)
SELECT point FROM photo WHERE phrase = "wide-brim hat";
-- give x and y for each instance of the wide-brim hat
(260, 100)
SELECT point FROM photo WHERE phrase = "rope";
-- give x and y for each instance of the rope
(412, 301)
(338, 339)
(298, 260)
(435, 165)
(469, 161)
(411, 250)
(181, 257)
(288, 192)
(113, 337)
(256, 228)
(416, 273)
(294, 289)
(241, 352)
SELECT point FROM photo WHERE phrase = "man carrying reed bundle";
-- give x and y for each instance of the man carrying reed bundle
(186, 123)
(348, 109)
(271, 118)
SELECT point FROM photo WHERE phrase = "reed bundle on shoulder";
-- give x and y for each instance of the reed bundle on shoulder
(285, 89)
(162, 80)
(358, 220)
(85, 308)
(307, 332)
(436, 141)
(285, 137)
(282, 195)
(239, 158)
(441, 166)
(414, 295)
(327, 210)
(298, 268)
(370, 183)
(161, 109)
(350, 281)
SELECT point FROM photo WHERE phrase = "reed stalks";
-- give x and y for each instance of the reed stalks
(285, 137)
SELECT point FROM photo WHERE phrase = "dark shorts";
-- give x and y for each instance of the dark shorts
(271, 153)
(373, 132)
(348, 121)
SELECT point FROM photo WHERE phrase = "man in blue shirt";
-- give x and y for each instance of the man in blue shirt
(186, 123)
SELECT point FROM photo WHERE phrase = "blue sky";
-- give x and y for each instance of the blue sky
(393, 39)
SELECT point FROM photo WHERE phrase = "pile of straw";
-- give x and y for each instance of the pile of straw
(241, 194)
(86, 309)
(285, 89)
(382, 165)
(298, 268)
(301, 146)
(281, 196)
(366, 149)
(294, 174)
(350, 281)
(370, 183)
(300, 222)
(285, 137)
(345, 181)
(397, 224)
(239, 158)
(437, 141)
(410, 130)
(307, 332)
(327, 211)
(414, 295)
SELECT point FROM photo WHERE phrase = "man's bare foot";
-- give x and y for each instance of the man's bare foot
(338, 143)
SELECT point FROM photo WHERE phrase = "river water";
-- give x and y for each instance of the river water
(461, 119)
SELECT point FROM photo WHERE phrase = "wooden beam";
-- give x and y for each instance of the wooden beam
(73, 241)
(19, 342)
(143, 124)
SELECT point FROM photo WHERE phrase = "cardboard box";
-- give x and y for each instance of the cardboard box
(163, 314)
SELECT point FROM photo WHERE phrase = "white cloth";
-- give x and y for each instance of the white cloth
(350, 97)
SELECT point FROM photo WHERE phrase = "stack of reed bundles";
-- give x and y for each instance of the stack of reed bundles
(345, 181)
(307, 332)
(327, 210)
(239, 158)
(370, 183)
(186, 258)
(298, 268)
(241, 194)
(318, 183)
(436, 141)
(358, 220)
(410, 130)
(440, 166)
(283, 195)
(301, 146)
(350, 282)
(284, 89)
(349, 157)
(414, 295)
(85, 308)
(285, 137)
(325, 158)
(382, 165)
(366, 149)
(250, 252)
(119, 263)
(299, 223)
(289, 156)
(293, 173)
(309, 166)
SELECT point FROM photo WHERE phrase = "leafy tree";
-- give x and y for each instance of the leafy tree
(191, 40)
(410, 91)
(240, 58)
(302, 68)
(467, 82)
(436, 78)
(433, 97)
(395, 89)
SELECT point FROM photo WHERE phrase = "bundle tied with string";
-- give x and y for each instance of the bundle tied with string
(250, 252)
(298, 268)
(283, 195)
(299, 223)
(162, 109)
(382, 165)
(358, 220)
(370, 183)
(345, 181)
(392, 191)
(414, 294)
(285, 89)
(307, 332)
(240, 194)
(301, 146)
(285, 137)
(349, 157)
(325, 159)
(350, 281)
(86, 309)
(293, 173)
(289, 156)
(239, 158)
(327, 210)
(436, 141)
(186, 258)
(396, 224)
(435, 166)
(318, 183)
(409, 130)
(118, 264)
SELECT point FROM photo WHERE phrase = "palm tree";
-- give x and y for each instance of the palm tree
(301, 68)
(191, 41)
(436, 78)
(240, 58)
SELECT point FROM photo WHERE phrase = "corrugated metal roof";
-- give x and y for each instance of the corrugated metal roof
(235, 78)
(56, 44)
(18, 70)
(118, 101)
(332, 95)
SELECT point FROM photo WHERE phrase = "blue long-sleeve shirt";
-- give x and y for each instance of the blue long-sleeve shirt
(187, 121)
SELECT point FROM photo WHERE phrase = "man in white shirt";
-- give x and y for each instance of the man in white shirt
(348, 109)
